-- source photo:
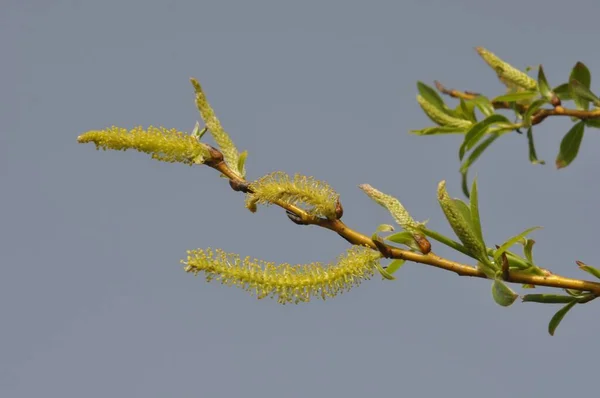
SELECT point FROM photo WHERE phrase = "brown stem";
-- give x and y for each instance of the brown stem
(537, 117)
(356, 238)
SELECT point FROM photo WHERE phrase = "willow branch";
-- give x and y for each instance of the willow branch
(537, 117)
(431, 259)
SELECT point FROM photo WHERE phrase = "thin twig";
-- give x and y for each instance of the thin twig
(356, 238)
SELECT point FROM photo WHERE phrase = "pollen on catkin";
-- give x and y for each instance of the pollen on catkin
(317, 196)
(284, 282)
(166, 145)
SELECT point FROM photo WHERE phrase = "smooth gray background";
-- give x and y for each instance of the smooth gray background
(94, 302)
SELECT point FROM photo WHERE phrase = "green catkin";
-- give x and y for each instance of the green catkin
(508, 74)
(441, 117)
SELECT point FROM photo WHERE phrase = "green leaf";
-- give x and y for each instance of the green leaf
(569, 146)
(563, 92)
(543, 84)
(506, 245)
(583, 94)
(467, 110)
(464, 183)
(581, 74)
(515, 97)
(395, 266)
(558, 317)
(196, 132)
(532, 154)
(383, 272)
(528, 250)
(439, 130)
(384, 228)
(502, 294)
(473, 156)
(465, 211)
(478, 130)
(535, 105)
(433, 97)
(242, 162)
(475, 219)
(589, 269)
(484, 105)
(595, 123)
(547, 298)
(445, 240)
(404, 238)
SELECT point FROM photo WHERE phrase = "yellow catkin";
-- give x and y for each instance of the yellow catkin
(166, 145)
(226, 145)
(319, 198)
(441, 117)
(284, 282)
(508, 74)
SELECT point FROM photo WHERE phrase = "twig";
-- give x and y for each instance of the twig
(299, 216)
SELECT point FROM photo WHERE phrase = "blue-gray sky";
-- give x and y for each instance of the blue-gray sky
(94, 302)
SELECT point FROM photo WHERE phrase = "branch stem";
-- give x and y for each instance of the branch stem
(356, 238)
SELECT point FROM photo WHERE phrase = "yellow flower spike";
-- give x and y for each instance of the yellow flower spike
(226, 145)
(286, 283)
(508, 74)
(166, 145)
(320, 199)
(440, 117)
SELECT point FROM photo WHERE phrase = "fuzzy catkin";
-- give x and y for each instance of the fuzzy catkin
(284, 282)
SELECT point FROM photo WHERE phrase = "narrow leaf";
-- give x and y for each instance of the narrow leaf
(563, 92)
(582, 93)
(478, 130)
(515, 97)
(502, 294)
(445, 240)
(543, 84)
(474, 205)
(589, 269)
(547, 298)
(512, 241)
(432, 96)
(484, 105)
(569, 146)
(534, 107)
(532, 154)
(473, 156)
(581, 74)
(395, 266)
(383, 272)
(439, 130)
(595, 123)
(528, 249)
(384, 228)
(558, 317)
(404, 238)
(467, 110)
